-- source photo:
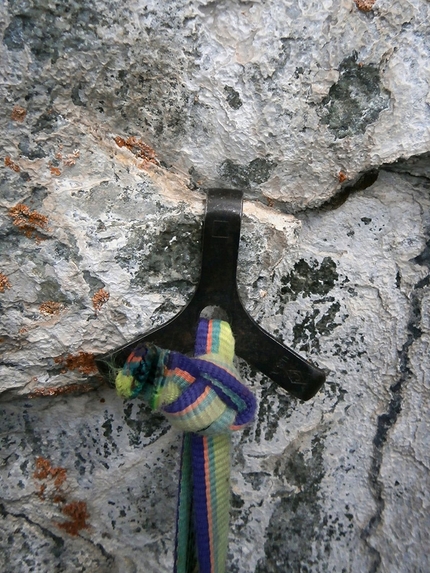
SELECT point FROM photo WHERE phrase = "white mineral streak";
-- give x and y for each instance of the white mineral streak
(285, 99)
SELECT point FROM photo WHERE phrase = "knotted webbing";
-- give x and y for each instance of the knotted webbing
(203, 397)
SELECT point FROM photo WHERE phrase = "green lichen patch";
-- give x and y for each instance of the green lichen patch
(295, 526)
(309, 278)
(143, 425)
(256, 172)
(50, 289)
(93, 282)
(233, 97)
(355, 100)
(49, 29)
(148, 96)
(169, 255)
(307, 332)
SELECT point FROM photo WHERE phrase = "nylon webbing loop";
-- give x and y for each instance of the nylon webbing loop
(203, 397)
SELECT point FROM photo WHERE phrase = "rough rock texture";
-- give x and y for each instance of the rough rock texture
(114, 117)
(287, 98)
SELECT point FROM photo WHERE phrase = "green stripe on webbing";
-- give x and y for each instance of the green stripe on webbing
(215, 337)
(214, 477)
(219, 476)
(186, 560)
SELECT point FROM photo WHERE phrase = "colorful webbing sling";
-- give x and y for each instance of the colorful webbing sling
(203, 397)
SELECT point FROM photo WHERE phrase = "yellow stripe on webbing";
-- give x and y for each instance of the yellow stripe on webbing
(176, 382)
(225, 348)
(168, 394)
(220, 485)
(200, 414)
(215, 359)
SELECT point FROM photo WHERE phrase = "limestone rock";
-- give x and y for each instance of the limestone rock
(317, 484)
(115, 117)
(287, 99)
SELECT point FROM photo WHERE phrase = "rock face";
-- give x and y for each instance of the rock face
(286, 98)
(115, 117)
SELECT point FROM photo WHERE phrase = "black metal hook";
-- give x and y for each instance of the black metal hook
(218, 287)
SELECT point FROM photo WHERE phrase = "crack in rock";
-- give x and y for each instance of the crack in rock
(387, 420)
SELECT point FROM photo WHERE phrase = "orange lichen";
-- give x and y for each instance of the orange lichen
(51, 307)
(365, 5)
(138, 148)
(71, 389)
(55, 171)
(83, 361)
(41, 491)
(100, 298)
(18, 113)
(71, 158)
(4, 282)
(44, 470)
(342, 176)
(78, 513)
(29, 222)
(52, 489)
(11, 164)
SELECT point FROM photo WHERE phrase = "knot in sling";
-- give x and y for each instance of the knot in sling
(203, 397)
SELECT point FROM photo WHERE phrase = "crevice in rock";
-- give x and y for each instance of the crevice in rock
(388, 419)
(58, 540)
(360, 183)
(59, 543)
(414, 166)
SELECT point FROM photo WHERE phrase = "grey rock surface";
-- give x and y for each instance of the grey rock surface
(286, 98)
(319, 484)
(115, 117)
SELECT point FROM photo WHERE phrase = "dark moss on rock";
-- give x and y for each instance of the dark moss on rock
(36, 26)
(46, 122)
(295, 525)
(76, 95)
(31, 150)
(309, 278)
(143, 425)
(355, 100)
(307, 332)
(424, 257)
(272, 408)
(257, 171)
(171, 257)
(233, 97)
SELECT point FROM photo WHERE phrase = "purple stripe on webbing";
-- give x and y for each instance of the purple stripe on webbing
(243, 418)
(200, 345)
(187, 398)
(214, 371)
(184, 497)
(178, 360)
(200, 503)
